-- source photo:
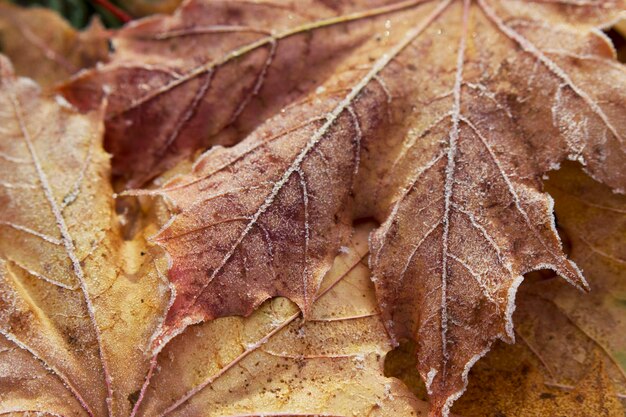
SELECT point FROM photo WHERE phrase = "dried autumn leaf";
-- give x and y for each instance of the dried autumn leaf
(77, 304)
(565, 328)
(438, 129)
(43, 46)
(594, 219)
(510, 383)
(213, 71)
(272, 363)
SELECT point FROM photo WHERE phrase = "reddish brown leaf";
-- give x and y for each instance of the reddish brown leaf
(213, 71)
(482, 220)
(561, 330)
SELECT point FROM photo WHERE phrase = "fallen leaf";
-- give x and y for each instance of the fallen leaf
(594, 219)
(510, 383)
(43, 46)
(572, 327)
(437, 128)
(212, 72)
(77, 303)
(560, 331)
(429, 117)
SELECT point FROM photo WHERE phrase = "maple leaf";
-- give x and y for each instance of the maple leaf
(438, 129)
(77, 304)
(43, 46)
(228, 67)
(593, 220)
(518, 387)
(560, 331)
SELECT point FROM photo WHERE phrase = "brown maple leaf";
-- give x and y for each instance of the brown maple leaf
(441, 126)
(43, 46)
(560, 331)
(212, 72)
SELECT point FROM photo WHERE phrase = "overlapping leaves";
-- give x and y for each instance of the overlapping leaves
(440, 125)
(436, 118)
(79, 302)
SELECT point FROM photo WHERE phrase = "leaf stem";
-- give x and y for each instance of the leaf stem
(114, 10)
